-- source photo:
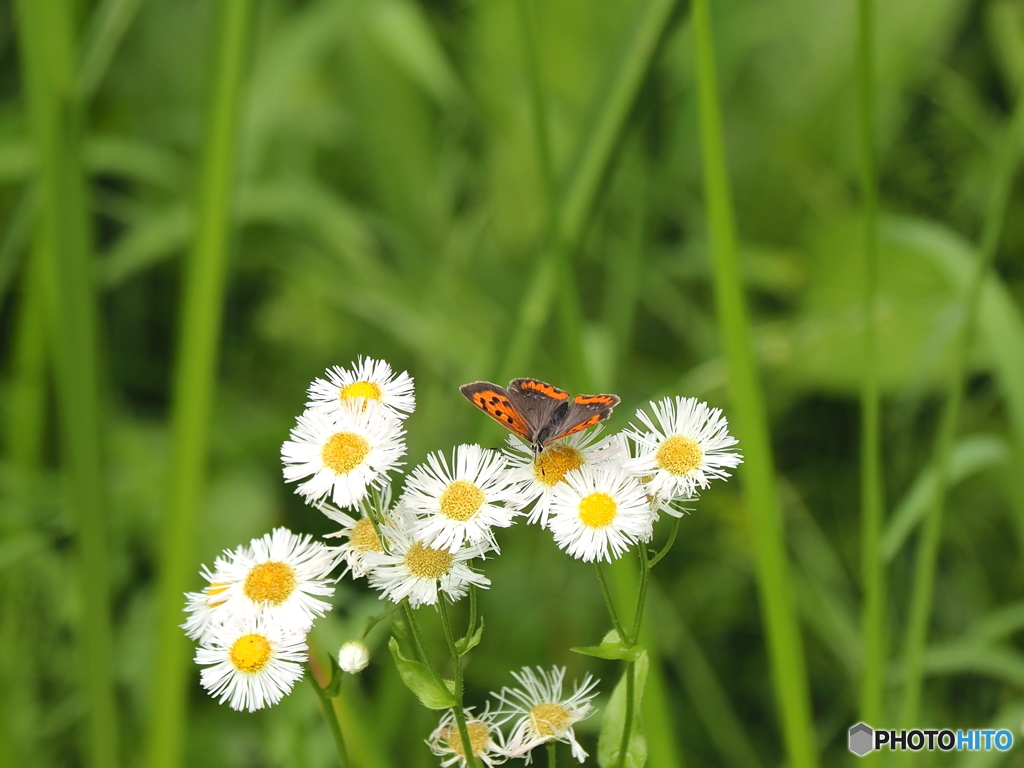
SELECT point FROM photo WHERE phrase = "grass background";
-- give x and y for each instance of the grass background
(205, 203)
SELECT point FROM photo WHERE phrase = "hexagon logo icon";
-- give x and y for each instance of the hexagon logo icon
(861, 739)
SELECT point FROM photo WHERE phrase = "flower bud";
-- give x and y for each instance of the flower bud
(353, 657)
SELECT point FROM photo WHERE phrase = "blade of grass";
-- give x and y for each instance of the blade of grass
(64, 248)
(704, 687)
(971, 454)
(785, 646)
(873, 630)
(924, 571)
(557, 250)
(580, 189)
(195, 377)
(16, 234)
(105, 30)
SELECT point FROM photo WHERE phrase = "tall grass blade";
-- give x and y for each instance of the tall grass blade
(16, 233)
(106, 29)
(785, 645)
(873, 629)
(580, 188)
(971, 454)
(556, 250)
(195, 377)
(64, 249)
(928, 547)
(705, 688)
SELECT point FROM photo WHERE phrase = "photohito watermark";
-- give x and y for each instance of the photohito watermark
(863, 739)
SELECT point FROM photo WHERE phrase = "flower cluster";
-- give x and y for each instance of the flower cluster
(537, 710)
(601, 496)
(598, 494)
(252, 619)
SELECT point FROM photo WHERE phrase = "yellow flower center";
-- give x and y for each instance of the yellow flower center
(344, 452)
(250, 653)
(597, 510)
(428, 563)
(461, 500)
(679, 455)
(550, 719)
(272, 582)
(364, 537)
(552, 464)
(366, 389)
(478, 737)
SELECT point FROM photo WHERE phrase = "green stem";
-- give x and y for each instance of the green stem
(472, 611)
(668, 544)
(460, 714)
(641, 598)
(638, 617)
(627, 721)
(421, 647)
(785, 645)
(924, 572)
(872, 566)
(372, 621)
(610, 605)
(552, 748)
(330, 715)
(196, 378)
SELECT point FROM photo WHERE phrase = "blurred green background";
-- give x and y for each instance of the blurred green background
(205, 203)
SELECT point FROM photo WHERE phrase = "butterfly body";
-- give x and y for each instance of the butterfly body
(536, 411)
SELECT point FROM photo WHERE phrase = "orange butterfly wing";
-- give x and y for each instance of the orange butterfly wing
(584, 412)
(494, 401)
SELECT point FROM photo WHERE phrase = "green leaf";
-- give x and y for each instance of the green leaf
(610, 741)
(468, 643)
(612, 649)
(417, 678)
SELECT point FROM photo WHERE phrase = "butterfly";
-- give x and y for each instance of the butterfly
(536, 411)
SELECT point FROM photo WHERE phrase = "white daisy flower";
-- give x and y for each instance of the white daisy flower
(461, 504)
(485, 739)
(203, 607)
(415, 570)
(684, 449)
(539, 474)
(343, 453)
(599, 512)
(251, 664)
(368, 379)
(360, 537)
(278, 577)
(543, 714)
(359, 532)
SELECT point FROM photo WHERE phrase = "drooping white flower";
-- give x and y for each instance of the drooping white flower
(539, 474)
(367, 379)
(343, 454)
(543, 713)
(684, 446)
(461, 503)
(599, 512)
(251, 664)
(485, 739)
